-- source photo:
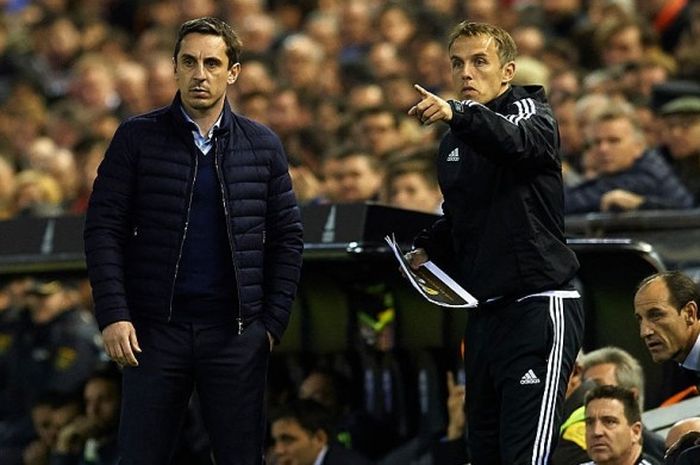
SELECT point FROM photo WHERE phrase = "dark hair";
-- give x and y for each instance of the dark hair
(626, 397)
(349, 151)
(507, 50)
(215, 27)
(681, 288)
(424, 167)
(310, 415)
(110, 373)
(379, 110)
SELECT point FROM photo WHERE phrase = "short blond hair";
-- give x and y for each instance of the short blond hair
(507, 49)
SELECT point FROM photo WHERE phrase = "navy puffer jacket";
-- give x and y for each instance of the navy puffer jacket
(139, 207)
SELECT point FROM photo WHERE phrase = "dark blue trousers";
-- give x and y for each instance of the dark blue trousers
(228, 371)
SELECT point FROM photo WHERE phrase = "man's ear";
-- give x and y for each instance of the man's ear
(636, 432)
(690, 312)
(508, 72)
(321, 436)
(233, 73)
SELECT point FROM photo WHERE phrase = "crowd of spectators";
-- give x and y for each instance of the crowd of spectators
(334, 79)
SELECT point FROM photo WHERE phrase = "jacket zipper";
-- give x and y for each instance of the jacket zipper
(184, 235)
(220, 178)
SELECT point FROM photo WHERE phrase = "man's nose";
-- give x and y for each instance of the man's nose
(597, 429)
(645, 329)
(467, 72)
(198, 71)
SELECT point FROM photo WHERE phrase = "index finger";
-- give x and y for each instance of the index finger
(421, 91)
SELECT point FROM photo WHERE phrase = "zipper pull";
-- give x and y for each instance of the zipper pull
(240, 325)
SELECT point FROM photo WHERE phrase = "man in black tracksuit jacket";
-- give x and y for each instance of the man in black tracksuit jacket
(501, 236)
(193, 241)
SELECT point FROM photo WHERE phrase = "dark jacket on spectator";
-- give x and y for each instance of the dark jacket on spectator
(650, 176)
(139, 209)
(339, 455)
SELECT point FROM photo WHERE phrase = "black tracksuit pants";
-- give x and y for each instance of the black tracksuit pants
(519, 355)
(227, 369)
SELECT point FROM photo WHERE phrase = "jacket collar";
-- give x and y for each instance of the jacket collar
(515, 93)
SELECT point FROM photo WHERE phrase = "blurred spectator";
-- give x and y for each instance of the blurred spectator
(615, 367)
(355, 30)
(378, 131)
(400, 93)
(258, 32)
(301, 59)
(530, 40)
(22, 119)
(630, 176)
(385, 60)
(37, 194)
(531, 71)
(301, 432)
(255, 77)
(161, 80)
(565, 82)
(358, 176)
(91, 438)
(364, 96)
(570, 138)
(396, 24)
(49, 415)
(131, 80)
(7, 188)
(324, 29)
(94, 86)
(432, 66)
(55, 47)
(54, 348)
(681, 117)
(621, 40)
(330, 179)
(351, 426)
(255, 105)
(411, 183)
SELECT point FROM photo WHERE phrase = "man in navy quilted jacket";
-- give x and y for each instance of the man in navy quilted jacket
(193, 242)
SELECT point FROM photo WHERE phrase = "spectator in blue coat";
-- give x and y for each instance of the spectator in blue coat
(630, 175)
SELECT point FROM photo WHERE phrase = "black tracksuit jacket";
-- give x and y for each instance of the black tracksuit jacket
(500, 174)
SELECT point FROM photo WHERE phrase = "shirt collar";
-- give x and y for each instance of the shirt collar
(321, 455)
(692, 361)
(216, 125)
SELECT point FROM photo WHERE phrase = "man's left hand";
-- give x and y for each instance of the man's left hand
(619, 199)
(431, 108)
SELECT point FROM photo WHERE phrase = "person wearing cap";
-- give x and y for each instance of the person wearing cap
(681, 117)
